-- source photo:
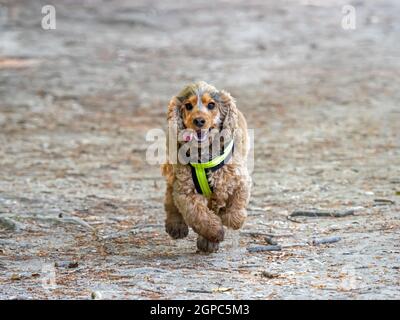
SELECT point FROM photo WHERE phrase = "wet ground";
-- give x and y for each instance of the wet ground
(81, 210)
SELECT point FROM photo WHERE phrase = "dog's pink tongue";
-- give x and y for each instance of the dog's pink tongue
(188, 137)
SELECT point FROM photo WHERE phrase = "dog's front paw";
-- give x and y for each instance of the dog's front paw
(177, 230)
(207, 246)
(234, 219)
(211, 234)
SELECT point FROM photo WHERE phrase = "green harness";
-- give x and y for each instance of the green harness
(200, 171)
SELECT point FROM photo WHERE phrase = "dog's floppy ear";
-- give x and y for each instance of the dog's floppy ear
(229, 113)
(174, 114)
(175, 125)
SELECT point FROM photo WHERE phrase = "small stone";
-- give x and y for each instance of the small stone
(266, 274)
(96, 295)
(271, 241)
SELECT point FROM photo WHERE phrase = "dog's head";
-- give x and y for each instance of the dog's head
(199, 108)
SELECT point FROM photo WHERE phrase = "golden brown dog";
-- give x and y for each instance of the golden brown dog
(208, 117)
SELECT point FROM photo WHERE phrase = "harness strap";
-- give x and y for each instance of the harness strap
(201, 171)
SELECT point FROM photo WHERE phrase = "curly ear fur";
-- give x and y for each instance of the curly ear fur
(174, 114)
(175, 124)
(229, 113)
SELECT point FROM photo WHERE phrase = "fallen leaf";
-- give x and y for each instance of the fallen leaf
(15, 277)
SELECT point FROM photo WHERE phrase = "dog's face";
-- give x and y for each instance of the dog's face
(200, 113)
(200, 110)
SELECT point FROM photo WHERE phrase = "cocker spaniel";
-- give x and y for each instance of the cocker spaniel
(208, 184)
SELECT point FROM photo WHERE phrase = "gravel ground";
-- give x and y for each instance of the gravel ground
(81, 210)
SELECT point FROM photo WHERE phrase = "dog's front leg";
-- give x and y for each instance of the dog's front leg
(175, 226)
(200, 218)
(234, 215)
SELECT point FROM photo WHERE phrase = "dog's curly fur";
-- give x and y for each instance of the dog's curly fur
(231, 184)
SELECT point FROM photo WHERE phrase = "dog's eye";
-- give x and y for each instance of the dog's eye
(188, 106)
(211, 106)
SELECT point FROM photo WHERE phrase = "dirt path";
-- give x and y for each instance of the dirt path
(75, 106)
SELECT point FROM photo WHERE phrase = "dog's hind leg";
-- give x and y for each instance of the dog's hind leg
(175, 226)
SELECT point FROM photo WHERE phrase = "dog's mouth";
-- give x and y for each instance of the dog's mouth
(201, 135)
(197, 135)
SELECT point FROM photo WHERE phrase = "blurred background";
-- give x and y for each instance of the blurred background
(317, 80)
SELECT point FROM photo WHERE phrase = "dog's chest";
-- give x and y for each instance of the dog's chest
(223, 181)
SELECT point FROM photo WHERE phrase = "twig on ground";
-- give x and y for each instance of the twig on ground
(63, 219)
(244, 266)
(198, 291)
(143, 227)
(293, 219)
(264, 234)
(316, 242)
(264, 248)
(10, 224)
(50, 218)
(254, 213)
(292, 245)
(382, 202)
(79, 221)
(313, 242)
(321, 213)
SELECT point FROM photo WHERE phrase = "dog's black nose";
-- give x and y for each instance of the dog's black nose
(199, 122)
